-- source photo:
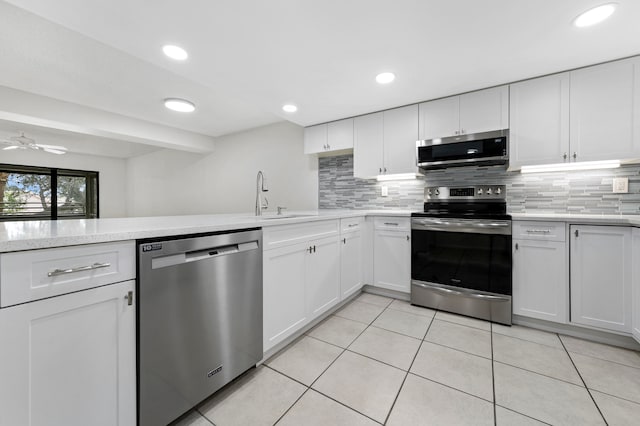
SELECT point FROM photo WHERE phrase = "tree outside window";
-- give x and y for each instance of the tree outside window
(40, 193)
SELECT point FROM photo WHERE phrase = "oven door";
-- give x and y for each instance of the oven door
(468, 259)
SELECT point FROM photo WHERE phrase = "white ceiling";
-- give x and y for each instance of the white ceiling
(248, 58)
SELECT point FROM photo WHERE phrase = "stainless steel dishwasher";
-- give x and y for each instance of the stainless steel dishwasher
(199, 319)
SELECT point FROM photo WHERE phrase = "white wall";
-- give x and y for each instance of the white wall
(171, 182)
(112, 178)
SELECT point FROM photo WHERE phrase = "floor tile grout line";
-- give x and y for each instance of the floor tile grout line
(603, 359)
(407, 372)
(522, 414)
(527, 340)
(412, 313)
(291, 406)
(615, 396)
(396, 332)
(583, 382)
(540, 374)
(413, 373)
(455, 349)
(332, 362)
(203, 416)
(345, 405)
(457, 323)
(493, 379)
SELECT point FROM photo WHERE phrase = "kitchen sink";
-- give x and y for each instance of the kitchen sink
(287, 216)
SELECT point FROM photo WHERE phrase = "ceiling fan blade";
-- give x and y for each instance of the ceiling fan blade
(54, 151)
(57, 147)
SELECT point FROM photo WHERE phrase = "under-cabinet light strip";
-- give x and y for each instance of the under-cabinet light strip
(561, 167)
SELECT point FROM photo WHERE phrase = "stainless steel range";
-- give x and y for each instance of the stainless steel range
(461, 252)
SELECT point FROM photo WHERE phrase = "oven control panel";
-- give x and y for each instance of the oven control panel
(465, 193)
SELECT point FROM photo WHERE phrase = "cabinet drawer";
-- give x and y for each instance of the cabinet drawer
(549, 231)
(392, 223)
(284, 235)
(32, 275)
(351, 224)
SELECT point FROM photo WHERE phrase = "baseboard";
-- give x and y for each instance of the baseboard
(388, 293)
(609, 338)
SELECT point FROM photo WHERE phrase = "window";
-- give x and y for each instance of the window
(37, 193)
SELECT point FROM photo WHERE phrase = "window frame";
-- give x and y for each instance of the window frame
(92, 191)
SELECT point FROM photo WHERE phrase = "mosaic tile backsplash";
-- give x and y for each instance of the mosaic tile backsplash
(579, 192)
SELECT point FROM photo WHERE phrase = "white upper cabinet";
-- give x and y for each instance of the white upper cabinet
(315, 139)
(385, 142)
(484, 110)
(334, 136)
(584, 115)
(480, 111)
(602, 111)
(539, 121)
(368, 145)
(400, 136)
(440, 118)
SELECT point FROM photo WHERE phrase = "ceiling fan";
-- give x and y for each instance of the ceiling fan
(23, 142)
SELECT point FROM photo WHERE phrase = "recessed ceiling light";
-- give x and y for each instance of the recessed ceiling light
(289, 108)
(595, 15)
(180, 105)
(385, 77)
(175, 52)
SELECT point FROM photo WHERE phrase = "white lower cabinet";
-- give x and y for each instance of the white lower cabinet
(284, 273)
(540, 280)
(392, 253)
(69, 360)
(301, 280)
(322, 281)
(601, 267)
(540, 271)
(635, 304)
(351, 277)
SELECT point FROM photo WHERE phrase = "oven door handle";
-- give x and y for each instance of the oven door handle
(463, 294)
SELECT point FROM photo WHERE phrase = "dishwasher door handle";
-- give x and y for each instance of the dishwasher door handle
(197, 255)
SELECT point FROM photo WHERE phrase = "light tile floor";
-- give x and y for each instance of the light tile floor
(383, 361)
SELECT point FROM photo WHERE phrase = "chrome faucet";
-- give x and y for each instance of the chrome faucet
(260, 188)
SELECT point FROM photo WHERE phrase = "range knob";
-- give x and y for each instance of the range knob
(437, 192)
(488, 191)
(479, 191)
(429, 191)
(498, 191)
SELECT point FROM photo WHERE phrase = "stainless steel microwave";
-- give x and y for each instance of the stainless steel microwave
(478, 149)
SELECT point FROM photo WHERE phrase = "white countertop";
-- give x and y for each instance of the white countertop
(29, 235)
(584, 219)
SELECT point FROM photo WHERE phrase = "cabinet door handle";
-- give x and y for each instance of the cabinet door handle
(516, 246)
(344, 241)
(408, 238)
(96, 265)
(577, 233)
(462, 131)
(456, 132)
(564, 156)
(314, 249)
(328, 146)
(380, 169)
(129, 298)
(575, 155)
(385, 170)
(309, 249)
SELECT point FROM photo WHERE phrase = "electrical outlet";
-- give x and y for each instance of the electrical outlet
(620, 185)
(385, 190)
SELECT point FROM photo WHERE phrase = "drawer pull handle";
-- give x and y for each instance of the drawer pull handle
(391, 224)
(538, 231)
(351, 225)
(57, 272)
